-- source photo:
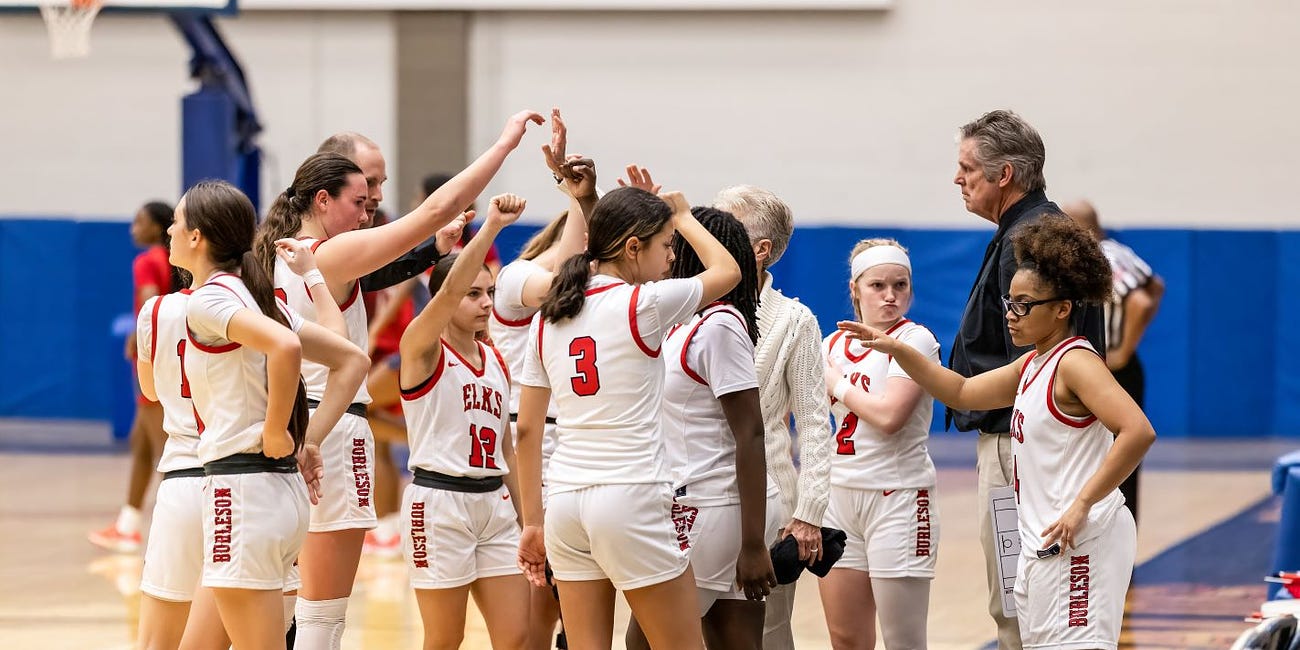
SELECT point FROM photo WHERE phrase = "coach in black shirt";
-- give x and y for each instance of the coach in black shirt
(1000, 173)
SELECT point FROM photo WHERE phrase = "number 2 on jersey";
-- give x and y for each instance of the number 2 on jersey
(483, 447)
(587, 382)
(844, 439)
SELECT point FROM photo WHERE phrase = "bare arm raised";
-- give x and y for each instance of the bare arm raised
(988, 390)
(421, 345)
(348, 256)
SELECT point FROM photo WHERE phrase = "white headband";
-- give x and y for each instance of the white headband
(877, 255)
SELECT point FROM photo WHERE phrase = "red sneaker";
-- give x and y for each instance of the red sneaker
(381, 547)
(112, 539)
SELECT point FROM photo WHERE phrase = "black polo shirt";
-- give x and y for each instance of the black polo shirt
(983, 342)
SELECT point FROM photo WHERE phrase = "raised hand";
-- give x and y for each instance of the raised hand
(555, 151)
(297, 254)
(678, 203)
(639, 177)
(505, 209)
(580, 177)
(449, 235)
(517, 125)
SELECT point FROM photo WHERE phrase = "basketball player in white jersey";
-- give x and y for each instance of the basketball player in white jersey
(460, 528)
(882, 478)
(1077, 540)
(521, 286)
(326, 203)
(713, 429)
(173, 562)
(242, 363)
(595, 347)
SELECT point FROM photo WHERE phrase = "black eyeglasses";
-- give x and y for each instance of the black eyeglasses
(1023, 308)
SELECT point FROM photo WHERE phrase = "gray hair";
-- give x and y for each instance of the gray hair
(764, 215)
(345, 144)
(1003, 138)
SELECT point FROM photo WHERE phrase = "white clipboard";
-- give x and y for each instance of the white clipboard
(1005, 520)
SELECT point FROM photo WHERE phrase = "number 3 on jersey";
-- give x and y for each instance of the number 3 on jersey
(587, 382)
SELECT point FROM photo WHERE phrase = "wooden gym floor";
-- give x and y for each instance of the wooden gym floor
(1205, 539)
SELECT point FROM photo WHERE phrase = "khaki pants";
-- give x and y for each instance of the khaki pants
(993, 464)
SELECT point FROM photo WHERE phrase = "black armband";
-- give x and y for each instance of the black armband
(403, 268)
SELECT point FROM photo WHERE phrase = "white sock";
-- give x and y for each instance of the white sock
(320, 624)
(388, 526)
(290, 605)
(128, 520)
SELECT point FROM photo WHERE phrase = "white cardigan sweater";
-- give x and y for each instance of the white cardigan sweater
(789, 362)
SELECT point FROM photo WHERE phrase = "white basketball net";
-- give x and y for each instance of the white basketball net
(68, 23)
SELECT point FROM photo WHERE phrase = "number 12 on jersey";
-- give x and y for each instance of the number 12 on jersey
(483, 447)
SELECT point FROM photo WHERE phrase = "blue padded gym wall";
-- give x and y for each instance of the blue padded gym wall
(1216, 366)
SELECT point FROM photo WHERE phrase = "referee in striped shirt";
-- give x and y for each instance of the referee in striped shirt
(1131, 309)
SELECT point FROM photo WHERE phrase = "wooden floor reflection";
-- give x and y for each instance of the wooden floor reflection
(60, 592)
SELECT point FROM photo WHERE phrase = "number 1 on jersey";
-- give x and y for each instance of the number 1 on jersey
(587, 382)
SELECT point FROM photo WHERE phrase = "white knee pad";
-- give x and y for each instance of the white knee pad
(320, 623)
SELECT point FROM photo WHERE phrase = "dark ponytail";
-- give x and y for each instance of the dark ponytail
(620, 215)
(227, 220)
(321, 171)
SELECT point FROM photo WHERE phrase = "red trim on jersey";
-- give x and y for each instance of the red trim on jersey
(858, 359)
(421, 389)
(687, 343)
(356, 291)
(153, 331)
(187, 291)
(308, 290)
(478, 372)
(1055, 351)
(523, 322)
(636, 332)
(316, 244)
(500, 360)
(1061, 416)
(211, 349)
(603, 288)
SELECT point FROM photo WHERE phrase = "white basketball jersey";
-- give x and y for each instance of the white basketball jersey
(706, 358)
(865, 458)
(291, 288)
(457, 417)
(160, 337)
(606, 378)
(1055, 453)
(511, 320)
(227, 380)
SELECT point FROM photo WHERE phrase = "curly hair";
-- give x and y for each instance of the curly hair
(1065, 257)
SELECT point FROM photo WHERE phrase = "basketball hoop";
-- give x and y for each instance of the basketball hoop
(68, 23)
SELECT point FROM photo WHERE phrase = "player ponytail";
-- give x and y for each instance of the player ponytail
(321, 171)
(728, 230)
(619, 216)
(227, 220)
